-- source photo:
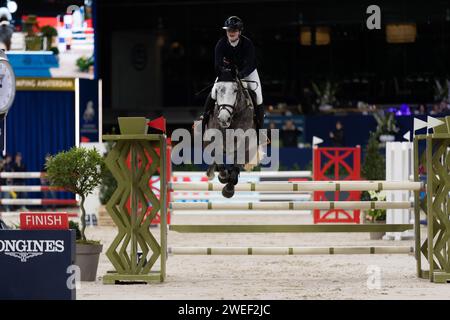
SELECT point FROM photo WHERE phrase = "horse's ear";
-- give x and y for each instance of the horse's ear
(214, 91)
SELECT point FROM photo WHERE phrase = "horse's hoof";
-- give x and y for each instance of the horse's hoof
(224, 176)
(228, 190)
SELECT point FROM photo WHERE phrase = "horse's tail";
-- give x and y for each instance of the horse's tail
(256, 159)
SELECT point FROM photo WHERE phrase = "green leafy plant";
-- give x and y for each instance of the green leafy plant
(78, 170)
(374, 164)
(55, 50)
(374, 215)
(49, 32)
(373, 168)
(109, 184)
(83, 63)
(75, 226)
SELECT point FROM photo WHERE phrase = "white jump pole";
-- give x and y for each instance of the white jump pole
(399, 166)
(305, 205)
(10, 188)
(288, 250)
(301, 186)
(239, 197)
(260, 174)
(22, 175)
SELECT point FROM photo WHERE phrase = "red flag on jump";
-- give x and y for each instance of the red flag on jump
(158, 123)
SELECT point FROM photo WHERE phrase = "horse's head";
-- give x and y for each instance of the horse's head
(226, 95)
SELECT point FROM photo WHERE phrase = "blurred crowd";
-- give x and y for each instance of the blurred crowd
(10, 164)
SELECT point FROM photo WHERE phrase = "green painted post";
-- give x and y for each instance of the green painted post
(134, 234)
(417, 251)
(430, 217)
(163, 202)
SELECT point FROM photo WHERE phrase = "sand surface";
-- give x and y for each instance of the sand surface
(270, 277)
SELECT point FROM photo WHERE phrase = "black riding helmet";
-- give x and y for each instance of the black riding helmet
(233, 23)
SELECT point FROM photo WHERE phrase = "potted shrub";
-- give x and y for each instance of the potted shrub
(107, 188)
(376, 215)
(84, 63)
(374, 168)
(48, 33)
(80, 171)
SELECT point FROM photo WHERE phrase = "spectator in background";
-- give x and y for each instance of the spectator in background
(4, 195)
(422, 109)
(19, 166)
(7, 166)
(337, 136)
(289, 134)
(272, 126)
(308, 100)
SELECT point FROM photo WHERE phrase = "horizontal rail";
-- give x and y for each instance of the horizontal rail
(38, 202)
(29, 189)
(289, 205)
(245, 213)
(261, 174)
(281, 228)
(22, 175)
(237, 197)
(289, 250)
(301, 186)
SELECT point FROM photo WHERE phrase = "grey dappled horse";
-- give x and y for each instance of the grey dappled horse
(234, 109)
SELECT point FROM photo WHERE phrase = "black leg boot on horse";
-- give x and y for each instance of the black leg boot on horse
(228, 190)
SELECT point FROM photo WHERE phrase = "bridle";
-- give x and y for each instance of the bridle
(230, 108)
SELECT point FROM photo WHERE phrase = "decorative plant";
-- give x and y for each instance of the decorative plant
(32, 41)
(386, 124)
(78, 170)
(326, 93)
(109, 184)
(49, 32)
(374, 164)
(441, 91)
(83, 63)
(75, 226)
(373, 168)
(55, 50)
(376, 214)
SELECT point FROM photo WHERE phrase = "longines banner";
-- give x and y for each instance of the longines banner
(37, 264)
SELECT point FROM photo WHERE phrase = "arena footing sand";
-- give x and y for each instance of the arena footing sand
(271, 277)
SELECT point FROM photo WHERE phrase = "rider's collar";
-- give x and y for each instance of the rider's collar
(234, 44)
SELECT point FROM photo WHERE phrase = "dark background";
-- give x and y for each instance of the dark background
(369, 68)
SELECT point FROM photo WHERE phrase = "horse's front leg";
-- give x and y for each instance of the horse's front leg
(228, 189)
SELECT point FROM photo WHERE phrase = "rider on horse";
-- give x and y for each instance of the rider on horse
(235, 54)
